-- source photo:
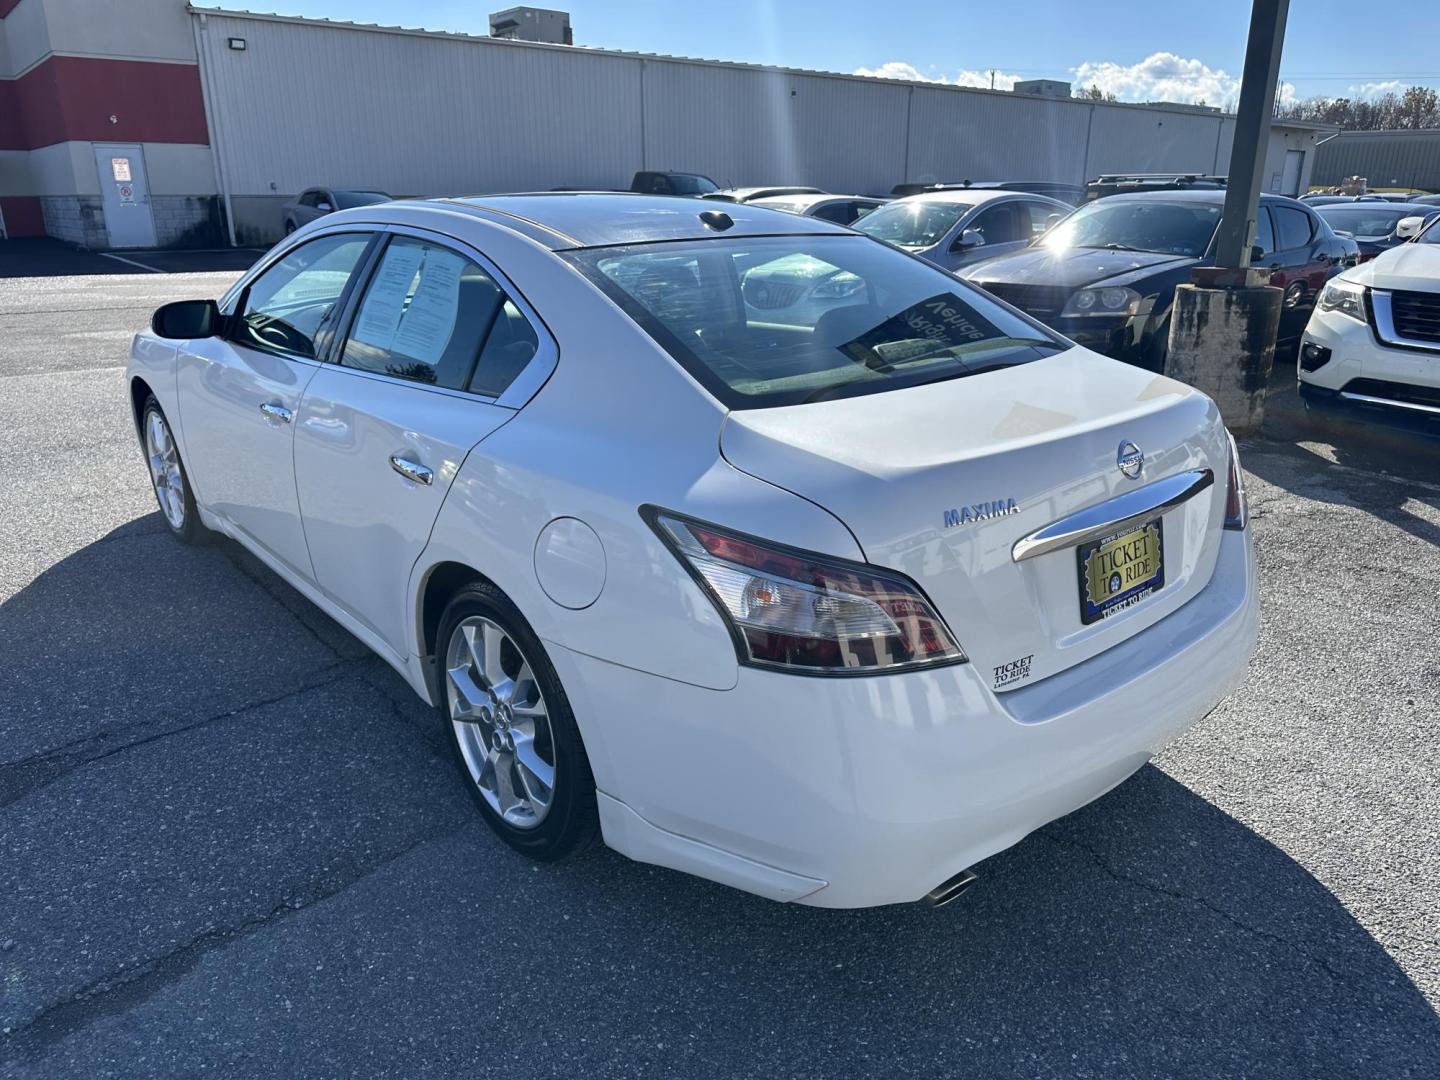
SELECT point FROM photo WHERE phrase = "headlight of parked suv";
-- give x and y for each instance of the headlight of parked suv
(1345, 297)
(1112, 300)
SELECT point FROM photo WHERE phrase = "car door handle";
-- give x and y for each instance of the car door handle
(412, 470)
(273, 411)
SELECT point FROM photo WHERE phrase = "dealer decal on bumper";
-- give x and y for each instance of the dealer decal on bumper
(1013, 672)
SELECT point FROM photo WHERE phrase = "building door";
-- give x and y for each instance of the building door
(1294, 166)
(125, 193)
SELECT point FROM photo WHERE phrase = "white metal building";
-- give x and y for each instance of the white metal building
(289, 103)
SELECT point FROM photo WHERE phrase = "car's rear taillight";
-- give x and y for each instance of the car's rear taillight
(808, 613)
(1236, 510)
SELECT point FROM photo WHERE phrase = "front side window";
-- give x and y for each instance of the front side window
(310, 198)
(785, 320)
(288, 304)
(1041, 217)
(912, 223)
(429, 314)
(1119, 224)
(1000, 224)
(687, 184)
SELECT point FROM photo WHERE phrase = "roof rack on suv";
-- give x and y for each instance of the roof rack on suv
(1116, 183)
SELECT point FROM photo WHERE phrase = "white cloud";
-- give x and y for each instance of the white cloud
(1375, 89)
(898, 69)
(1161, 76)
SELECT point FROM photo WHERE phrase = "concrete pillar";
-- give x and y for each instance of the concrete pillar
(1222, 341)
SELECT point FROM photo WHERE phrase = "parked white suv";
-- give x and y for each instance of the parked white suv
(1372, 348)
(827, 601)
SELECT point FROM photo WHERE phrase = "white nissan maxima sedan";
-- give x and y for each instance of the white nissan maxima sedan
(827, 609)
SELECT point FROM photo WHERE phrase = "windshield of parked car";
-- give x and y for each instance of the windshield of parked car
(912, 223)
(784, 320)
(1170, 228)
(686, 184)
(349, 199)
(1365, 221)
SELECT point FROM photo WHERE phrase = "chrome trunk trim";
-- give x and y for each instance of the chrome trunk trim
(1114, 514)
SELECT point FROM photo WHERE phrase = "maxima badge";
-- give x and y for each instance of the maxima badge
(984, 511)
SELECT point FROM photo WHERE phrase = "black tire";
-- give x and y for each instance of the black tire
(572, 821)
(189, 530)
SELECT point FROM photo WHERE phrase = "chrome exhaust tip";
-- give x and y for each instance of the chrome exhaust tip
(951, 888)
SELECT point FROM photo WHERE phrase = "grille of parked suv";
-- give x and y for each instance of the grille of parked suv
(1044, 302)
(1417, 315)
(1394, 391)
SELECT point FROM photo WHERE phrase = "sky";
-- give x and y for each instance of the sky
(1139, 51)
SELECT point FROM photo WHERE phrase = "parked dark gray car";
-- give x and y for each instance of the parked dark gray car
(316, 202)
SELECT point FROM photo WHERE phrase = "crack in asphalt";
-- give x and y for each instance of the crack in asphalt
(24, 777)
(1176, 894)
(236, 559)
(123, 989)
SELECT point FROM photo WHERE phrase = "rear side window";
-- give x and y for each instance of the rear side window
(1264, 231)
(841, 213)
(432, 315)
(288, 304)
(1293, 226)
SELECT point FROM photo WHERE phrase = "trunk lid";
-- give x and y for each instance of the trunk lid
(1046, 435)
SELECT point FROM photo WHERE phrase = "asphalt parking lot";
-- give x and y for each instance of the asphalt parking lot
(230, 843)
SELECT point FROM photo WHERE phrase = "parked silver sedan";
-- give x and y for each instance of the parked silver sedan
(841, 209)
(316, 202)
(955, 228)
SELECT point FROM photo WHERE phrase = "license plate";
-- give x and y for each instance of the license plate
(1120, 570)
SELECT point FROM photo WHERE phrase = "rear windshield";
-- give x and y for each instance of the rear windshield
(782, 320)
(1368, 221)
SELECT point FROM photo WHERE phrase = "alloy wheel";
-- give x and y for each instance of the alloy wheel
(165, 472)
(501, 721)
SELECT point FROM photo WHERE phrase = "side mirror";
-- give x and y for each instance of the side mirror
(324, 207)
(1256, 253)
(186, 319)
(970, 238)
(1407, 228)
(1054, 219)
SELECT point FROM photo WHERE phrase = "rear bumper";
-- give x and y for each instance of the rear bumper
(855, 792)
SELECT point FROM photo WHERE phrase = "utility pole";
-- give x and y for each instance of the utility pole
(1252, 133)
(1223, 324)
(992, 78)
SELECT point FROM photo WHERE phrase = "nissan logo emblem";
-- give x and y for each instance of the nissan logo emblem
(1130, 459)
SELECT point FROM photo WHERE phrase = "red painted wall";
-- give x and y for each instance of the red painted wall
(73, 97)
(7, 6)
(22, 215)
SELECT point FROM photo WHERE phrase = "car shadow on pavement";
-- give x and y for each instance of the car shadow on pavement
(218, 810)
